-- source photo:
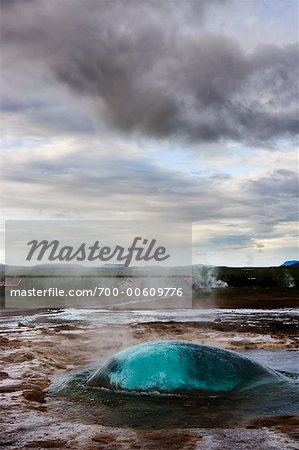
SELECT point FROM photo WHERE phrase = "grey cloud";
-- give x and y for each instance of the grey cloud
(279, 184)
(88, 184)
(273, 198)
(12, 3)
(234, 242)
(152, 68)
(101, 177)
(63, 120)
(54, 114)
(9, 104)
(137, 183)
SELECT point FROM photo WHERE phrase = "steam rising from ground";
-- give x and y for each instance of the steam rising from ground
(205, 277)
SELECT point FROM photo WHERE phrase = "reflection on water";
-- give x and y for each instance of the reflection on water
(100, 406)
(118, 409)
(84, 404)
(285, 316)
(286, 361)
(45, 345)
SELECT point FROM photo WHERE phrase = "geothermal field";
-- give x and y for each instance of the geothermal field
(48, 354)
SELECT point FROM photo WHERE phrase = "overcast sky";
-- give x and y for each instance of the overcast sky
(167, 110)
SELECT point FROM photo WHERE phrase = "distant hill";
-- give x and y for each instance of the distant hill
(293, 263)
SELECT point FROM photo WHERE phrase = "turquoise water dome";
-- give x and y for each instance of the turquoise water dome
(178, 367)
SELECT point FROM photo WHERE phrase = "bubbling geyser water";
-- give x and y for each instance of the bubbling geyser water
(179, 367)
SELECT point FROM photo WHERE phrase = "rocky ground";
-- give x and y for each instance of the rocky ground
(33, 354)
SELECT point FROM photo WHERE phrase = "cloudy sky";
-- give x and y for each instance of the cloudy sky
(181, 110)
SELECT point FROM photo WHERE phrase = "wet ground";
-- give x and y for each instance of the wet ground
(39, 348)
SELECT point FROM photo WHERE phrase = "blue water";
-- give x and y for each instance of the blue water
(174, 367)
(92, 403)
(74, 399)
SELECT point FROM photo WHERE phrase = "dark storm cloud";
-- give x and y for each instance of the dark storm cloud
(151, 67)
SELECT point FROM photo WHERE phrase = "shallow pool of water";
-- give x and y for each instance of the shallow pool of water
(119, 409)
